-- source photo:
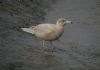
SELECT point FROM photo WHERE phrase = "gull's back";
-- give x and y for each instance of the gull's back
(44, 27)
(47, 31)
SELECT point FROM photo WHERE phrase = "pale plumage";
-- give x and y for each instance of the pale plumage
(48, 32)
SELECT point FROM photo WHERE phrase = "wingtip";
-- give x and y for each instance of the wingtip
(27, 30)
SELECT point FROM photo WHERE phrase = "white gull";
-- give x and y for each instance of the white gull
(48, 32)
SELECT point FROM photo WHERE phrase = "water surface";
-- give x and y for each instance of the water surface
(77, 49)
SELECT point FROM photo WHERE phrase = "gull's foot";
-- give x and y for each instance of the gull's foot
(49, 51)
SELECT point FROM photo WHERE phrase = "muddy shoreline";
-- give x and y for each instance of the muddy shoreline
(77, 49)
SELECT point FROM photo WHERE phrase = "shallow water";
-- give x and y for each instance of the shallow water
(81, 40)
(77, 49)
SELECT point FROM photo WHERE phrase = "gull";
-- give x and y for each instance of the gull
(48, 32)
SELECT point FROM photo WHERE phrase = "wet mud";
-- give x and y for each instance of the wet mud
(77, 49)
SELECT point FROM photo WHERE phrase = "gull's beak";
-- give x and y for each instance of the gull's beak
(69, 22)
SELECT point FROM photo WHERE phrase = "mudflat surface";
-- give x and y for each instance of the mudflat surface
(77, 49)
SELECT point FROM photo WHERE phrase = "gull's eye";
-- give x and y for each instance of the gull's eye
(63, 20)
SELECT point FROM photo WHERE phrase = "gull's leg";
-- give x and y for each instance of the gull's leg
(43, 44)
(50, 43)
(51, 46)
(48, 47)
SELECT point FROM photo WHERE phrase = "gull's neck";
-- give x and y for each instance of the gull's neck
(59, 24)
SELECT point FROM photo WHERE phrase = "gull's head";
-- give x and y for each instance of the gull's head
(63, 22)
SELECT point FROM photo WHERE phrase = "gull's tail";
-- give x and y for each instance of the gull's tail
(29, 30)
